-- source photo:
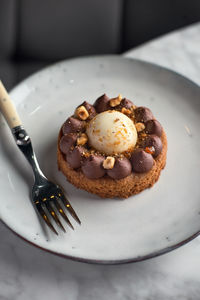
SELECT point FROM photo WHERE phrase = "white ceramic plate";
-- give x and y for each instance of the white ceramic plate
(112, 231)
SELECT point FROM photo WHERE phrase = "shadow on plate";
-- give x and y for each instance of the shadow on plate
(11, 153)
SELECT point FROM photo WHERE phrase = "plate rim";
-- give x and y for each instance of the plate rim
(107, 261)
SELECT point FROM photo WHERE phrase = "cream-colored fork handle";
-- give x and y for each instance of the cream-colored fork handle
(8, 109)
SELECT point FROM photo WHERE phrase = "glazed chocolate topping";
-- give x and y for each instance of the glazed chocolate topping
(126, 103)
(153, 141)
(143, 114)
(141, 161)
(90, 108)
(102, 103)
(122, 168)
(67, 141)
(92, 167)
(74, 157)
(72, 125)
(153, 127)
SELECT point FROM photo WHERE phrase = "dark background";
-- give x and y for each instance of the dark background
(35, 33)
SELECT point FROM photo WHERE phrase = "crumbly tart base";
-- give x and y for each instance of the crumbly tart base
(107, 187)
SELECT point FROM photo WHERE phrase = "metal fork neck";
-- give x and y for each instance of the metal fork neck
(23, 142)
(20, 135)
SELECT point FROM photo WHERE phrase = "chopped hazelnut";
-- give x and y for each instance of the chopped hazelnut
(86, 154)
(150, 150)
(133, 107)
(139, 127)
(109, 162)
(126, 111)
(143, 135)
(115, 101)
(82, 140)
(82, 113)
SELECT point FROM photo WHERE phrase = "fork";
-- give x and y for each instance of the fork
(47, 196)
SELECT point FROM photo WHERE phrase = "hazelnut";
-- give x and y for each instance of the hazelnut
(82, 140)
(150, 150)
(109, 162)
(126, 111)
(139, 127)
(82, 113)
(133, 107)
(143, 135)
(115, 101)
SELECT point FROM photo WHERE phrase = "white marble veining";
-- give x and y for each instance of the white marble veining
(29, 273)
(179, 51)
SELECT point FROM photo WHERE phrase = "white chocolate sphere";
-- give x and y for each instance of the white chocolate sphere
(112, 132)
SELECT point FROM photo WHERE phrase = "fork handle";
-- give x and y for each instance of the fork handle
(8, 109)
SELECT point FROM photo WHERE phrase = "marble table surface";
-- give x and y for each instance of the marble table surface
(29, 273)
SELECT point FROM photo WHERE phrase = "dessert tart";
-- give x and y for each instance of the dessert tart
(112, 148)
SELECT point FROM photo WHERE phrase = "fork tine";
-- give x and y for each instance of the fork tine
(70, 208)
(61, 211)
(53, 214)
(45, 218)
